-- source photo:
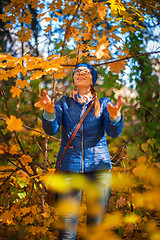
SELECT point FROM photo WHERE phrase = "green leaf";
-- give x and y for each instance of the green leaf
(133, 151)
(144, 147)
(4, 131)
(132, 101)
(124, 163)
(151, 142)
(13, 189)
(22, 195)
(22, 183)
(120, 231)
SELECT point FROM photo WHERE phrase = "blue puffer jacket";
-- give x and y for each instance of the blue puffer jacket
(88, 151)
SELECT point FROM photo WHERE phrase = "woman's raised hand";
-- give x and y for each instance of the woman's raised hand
(115, 111)
(46, 102)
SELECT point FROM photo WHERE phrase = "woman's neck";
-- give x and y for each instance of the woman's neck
(84, 91)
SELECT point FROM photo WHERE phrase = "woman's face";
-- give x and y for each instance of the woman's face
(82, 77)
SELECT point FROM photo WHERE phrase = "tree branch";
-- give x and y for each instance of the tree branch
(116, 60)
(42, 203)
(32, 129)
(19, 143)
(45, 152)
(38, 144)
(6, 103)
(126, 58)
(9, 176)
(30, 194)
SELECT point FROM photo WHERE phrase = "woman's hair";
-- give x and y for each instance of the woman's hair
(97, 106)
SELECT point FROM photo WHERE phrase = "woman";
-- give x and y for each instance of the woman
(88, 153)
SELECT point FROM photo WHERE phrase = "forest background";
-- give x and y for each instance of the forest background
(40, 43)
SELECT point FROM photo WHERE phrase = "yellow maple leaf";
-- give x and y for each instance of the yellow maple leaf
(124, 30)
(15, 92)
(3, 148)
(142, 159)
(113, 28)
(8, 26)
(29, 169)
(48, 29)
(57, 13)
(141, 171)
(89, 26)
(46, 215)
(149, 199)
(87, 35)
(7, 216)
(41, 15)
(117, 66)
(57, 181)
(102, 51)
(38, 105)
(51, 170)
(13, 149)
(32, 230)
(59, 75)
(25, 210)
(131, 218)
(114, 8)
(120, 181)
(48, 19)
(24, 34)
(25, 159)
(102, 48)
(28, 219)
(102, 10)
(38, 74)
(67, 207)
(14, 124)
(132, 29)
(22, 83)
(113, 220)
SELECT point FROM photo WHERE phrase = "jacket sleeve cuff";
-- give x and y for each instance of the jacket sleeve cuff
(115, 120)
(49, 116)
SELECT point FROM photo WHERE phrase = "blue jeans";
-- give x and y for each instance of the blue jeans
(97, 200)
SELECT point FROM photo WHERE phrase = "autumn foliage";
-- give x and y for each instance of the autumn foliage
(108, 35)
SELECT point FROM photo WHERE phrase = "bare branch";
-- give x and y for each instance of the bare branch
(38, 144)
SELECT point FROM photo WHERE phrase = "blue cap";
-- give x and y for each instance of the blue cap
(93, 71)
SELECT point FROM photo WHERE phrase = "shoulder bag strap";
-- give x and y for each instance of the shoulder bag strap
(73, 135)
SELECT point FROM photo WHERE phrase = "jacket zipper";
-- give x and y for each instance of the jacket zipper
(82, 151)
(82, 144)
